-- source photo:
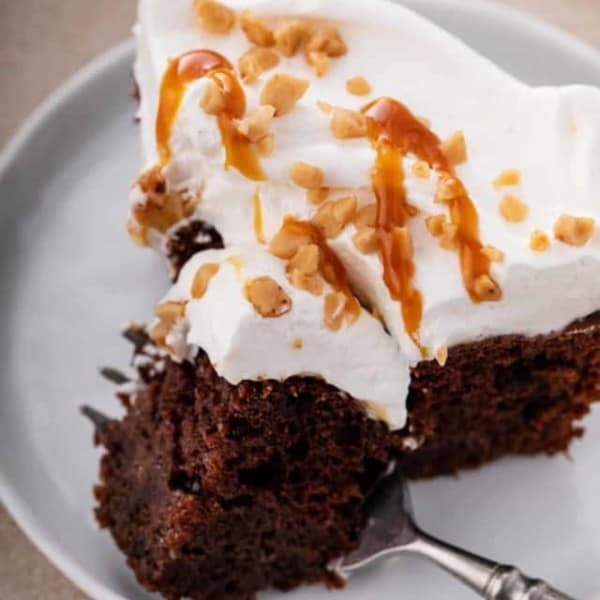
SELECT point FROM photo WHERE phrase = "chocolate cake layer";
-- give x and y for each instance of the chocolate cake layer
(216, 491)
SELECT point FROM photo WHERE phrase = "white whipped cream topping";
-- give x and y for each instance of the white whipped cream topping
(244, 345)
(551, 135)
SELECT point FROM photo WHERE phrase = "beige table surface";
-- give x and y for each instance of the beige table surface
(41, 43)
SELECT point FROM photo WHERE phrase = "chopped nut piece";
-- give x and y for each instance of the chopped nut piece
(358, 86)
(339, 308)
(335, 305)
(404, 239)
(436, 224)
(512, 209)
(366, 240)
(421, 169)
(306, 259)
(159, 209)
(317, 196)
(136, 232)
(170, 310)
(347, 123)
(539, 241)
(493, 253)
(306, 176)
(285, 244)
(319, 61)
(256, 125)
(485, 289)
(283, 92)
(255, 29)
(575, 231)
(212, 101)
(441, 355)
(309, 283)
(253, 63)
(268, 298)
(344, 209)
(297, 343)
(366, 216)
(455, 148)
(448, 188)
(324, 106)
(202, 278)
(326, 39)
(447, 238)
(214, 17)
(508, 177)
(333, 216)
(265, 145)
(158, 333)
(289, 36)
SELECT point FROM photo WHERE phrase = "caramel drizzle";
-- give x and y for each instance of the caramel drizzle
(187, 68)
(258, 218)
(395, 132)
(330, 266)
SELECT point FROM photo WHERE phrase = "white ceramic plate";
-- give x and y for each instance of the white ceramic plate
(70, 278)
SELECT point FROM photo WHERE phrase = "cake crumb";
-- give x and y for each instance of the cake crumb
(507, 178)
(358, 86)
(574, 231)
(297, 343)
(512, 209)
(539, 241)
(214, 17)
(267, 297)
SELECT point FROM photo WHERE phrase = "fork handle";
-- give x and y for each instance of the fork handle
(489, 579)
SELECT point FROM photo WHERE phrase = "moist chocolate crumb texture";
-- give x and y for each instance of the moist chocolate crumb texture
(383, 248)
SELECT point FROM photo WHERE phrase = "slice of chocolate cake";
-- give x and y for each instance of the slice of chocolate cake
(384, 248)
(217, 491)
(214, 490)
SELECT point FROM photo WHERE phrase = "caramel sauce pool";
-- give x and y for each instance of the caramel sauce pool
(395, 132)
(187, 68)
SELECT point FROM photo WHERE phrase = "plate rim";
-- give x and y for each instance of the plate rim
(16, 505)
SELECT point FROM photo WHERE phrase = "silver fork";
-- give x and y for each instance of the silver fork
(391, 530)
